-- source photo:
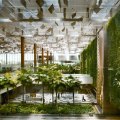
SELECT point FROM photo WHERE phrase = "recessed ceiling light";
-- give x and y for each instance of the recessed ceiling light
(59, 35)
(5, 20)
(27, 35)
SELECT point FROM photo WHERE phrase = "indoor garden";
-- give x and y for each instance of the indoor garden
(59, 58)
(45, 78)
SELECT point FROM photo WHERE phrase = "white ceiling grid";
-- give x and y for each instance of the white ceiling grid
(62, 26)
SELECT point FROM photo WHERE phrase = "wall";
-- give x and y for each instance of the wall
(108, 77)
(113, 37)
(89, 61)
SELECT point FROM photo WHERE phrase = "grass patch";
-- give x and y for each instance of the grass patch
(14, 108)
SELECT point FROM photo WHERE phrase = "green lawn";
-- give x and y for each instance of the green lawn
(47, 109)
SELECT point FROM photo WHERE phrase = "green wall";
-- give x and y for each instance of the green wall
(113, 36)
(89, 60)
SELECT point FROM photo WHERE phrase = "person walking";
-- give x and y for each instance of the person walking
(83, 99)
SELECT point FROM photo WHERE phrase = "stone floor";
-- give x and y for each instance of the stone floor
(58, 117)
(64, 98)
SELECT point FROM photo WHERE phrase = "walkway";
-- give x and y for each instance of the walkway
(64, 98)
(58, 117)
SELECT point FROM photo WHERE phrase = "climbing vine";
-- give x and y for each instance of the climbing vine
(89, 60)
(113, 35)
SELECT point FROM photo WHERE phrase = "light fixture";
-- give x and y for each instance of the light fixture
(27, 35)
(73, 23)
(5, 20)
(51, 9)
(74, 35)
(73, 15)
(59, 35)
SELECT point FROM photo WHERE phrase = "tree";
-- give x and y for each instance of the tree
(43, 78)
(55, 78)
(9, 81)
(72, 84)
(25, 80)
(57, 81)
(1, 83)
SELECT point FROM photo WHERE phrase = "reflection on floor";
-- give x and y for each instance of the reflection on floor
(58, 117)
(62, 98)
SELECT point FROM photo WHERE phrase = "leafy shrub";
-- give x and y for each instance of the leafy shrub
(48, 108)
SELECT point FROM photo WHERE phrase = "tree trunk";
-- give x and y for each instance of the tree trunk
(7, 95)
(52, 95)
(24, 91)
(73, 97)
(43, 94)
(56, 96)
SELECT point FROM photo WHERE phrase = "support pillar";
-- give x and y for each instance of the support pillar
(108, 108)
(42, 56)
(51, 58)
(6, 59)
(35, 59)
(22, 52)
(47, 57)
(100, 66)
(106, 102)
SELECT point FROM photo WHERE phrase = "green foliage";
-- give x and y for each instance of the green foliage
(24, 77)
(66, 69)
(71, 69)
(113, 36)
(89, 60)
(2, 83)
(48, 108)
(72, 83)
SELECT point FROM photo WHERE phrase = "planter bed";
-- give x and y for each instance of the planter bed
(16, 108)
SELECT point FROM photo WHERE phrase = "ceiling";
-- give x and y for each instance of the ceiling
(61, 26)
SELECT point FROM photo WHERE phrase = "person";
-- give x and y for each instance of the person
(44, 100)
(83, 99)
(58, 96)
